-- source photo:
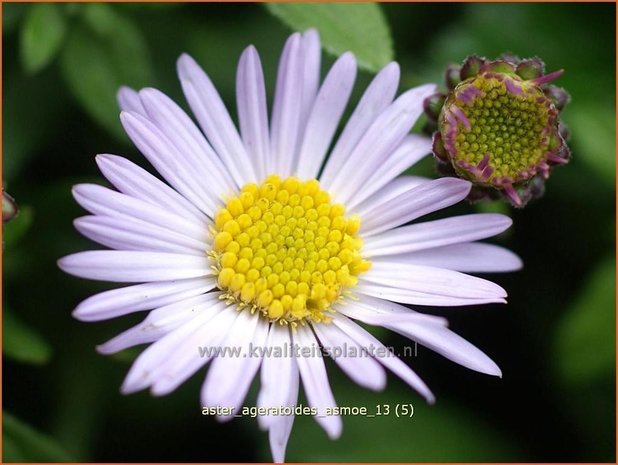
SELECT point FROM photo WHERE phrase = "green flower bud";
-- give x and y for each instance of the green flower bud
(500, 128)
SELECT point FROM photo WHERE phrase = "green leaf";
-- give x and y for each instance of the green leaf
(360, 28)
(12, 14)
(29, 128)
(102, 54)
(594, 144)
(22, 343)
(13, 231)
(41, 36)
(585, 338)
(22, 443)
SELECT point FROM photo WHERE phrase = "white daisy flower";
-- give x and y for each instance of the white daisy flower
(257, 238)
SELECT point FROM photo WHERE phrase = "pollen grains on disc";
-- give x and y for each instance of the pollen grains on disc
(283, 249)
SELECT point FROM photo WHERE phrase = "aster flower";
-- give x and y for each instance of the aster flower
(250, 242)
(498, 126)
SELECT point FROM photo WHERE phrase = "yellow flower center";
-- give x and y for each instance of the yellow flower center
(282, 248)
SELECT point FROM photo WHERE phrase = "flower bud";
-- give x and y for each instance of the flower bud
(9, 207)
(499, 127)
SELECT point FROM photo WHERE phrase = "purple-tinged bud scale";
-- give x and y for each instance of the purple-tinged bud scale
(452, 76)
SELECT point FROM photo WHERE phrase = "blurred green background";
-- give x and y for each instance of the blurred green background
(555, 340)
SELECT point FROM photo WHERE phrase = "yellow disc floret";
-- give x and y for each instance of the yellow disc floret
(282, 248)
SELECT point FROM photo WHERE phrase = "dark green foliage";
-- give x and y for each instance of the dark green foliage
(554, 340)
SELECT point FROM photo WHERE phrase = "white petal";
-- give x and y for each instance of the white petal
(375, 311)
(410, 151)
(160, 322)
(365, 339)
(472, 257)
(135, 181)
(106, 202)
(189, 142)
(215, 120)
(315, 381)
(230, 376)
(279, 374)
(377, 97)
(282, 380)
(279, 434)
(406, 296)
(252, 111)
(131, 337)
(165, 157)
(325, 115)
(130, 299)
(445, 342)
(351, 357)
(393, 189)
(285, 122)
(132, 234)
(311, 71)
(128, 100)
(134, 267)
(171, 349)
(438, 233)
(431, 280)
(418, 201)
(187, 358)
(381, 138)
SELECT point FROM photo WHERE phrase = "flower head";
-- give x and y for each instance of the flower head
(498, 126)
(257, 239)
